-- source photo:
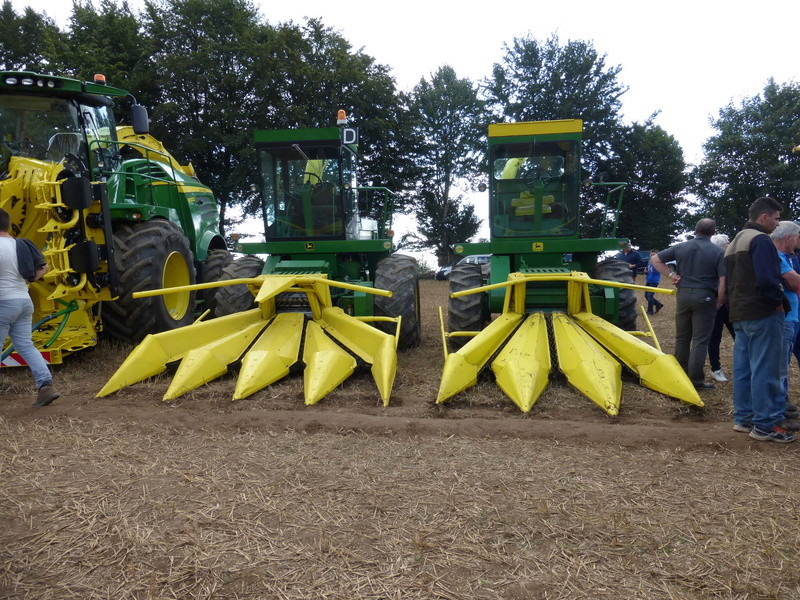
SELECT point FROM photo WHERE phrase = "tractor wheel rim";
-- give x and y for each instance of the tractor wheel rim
(176, 273)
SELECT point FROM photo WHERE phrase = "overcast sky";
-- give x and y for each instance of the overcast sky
(686, 59)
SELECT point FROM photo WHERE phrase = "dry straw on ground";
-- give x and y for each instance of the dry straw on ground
(128, 497)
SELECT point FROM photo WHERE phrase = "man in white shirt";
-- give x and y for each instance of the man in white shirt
(16, 313)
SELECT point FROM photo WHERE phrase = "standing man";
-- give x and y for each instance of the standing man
(756, 304)
(628, 255)
(700, 279)
(20, 262)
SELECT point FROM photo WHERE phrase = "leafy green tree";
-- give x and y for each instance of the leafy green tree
(457, 222)
(29, 41)
(315, 72)
(652, 162)
(204, 55)
(107, 40)
(222, 73)
(448, 120)
(549, 80)
(751, 156)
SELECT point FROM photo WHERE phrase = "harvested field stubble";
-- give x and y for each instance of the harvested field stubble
(126, 497)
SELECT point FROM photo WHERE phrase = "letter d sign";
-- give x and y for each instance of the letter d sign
(349, 136)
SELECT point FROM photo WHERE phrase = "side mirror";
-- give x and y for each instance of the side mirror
(139, 119)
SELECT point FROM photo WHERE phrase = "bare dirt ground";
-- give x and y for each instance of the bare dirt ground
(130, 497)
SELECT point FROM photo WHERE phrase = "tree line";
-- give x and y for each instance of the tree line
(213, 71)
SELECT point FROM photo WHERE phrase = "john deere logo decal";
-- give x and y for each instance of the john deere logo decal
(538, 246)
(310, 246)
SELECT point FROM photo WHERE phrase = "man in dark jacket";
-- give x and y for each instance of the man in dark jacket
(632, 257)
(756, 303)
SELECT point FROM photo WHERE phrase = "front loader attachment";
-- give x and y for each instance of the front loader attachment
(589, 350)
(268, 343)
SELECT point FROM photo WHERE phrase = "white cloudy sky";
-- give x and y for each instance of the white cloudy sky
(686, 59)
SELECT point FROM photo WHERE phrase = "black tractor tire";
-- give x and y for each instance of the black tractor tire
(618, 270)
(150, 255)
(237, 298)
(215, 263)
(466, 313)
(398, 274)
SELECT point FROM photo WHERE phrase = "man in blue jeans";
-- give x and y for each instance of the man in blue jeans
(16, 307)
(757, 310)
(700, 279)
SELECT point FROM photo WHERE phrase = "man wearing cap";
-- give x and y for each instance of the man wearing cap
(700, 279)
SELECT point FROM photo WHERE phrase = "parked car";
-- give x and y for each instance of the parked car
(443, 273)
(484, 260)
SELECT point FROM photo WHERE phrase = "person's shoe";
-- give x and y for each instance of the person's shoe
(703, 386)
(659, 307)
(791, 414)
(791, 407)
(45, 396)
(789, 425)
(650, 312)
(742, 428)
(719, 375)
(776, 434)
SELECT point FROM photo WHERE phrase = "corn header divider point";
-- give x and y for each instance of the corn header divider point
(517, 344)
(268, 343)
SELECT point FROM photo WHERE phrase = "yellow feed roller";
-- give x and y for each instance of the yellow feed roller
(268, 343)
(589, 349)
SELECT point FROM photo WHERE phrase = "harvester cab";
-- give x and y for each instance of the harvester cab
(313, 211)
(540, 283)
(330, 282)
(106, 224)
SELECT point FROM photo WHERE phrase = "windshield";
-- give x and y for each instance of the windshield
(302, 192)
(50, 129)
(534, 189)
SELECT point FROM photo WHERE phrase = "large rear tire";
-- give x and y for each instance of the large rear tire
(398, 274)
(237, 298)
(213, 266)
(466, 313)
(150, 255)
(618, 270)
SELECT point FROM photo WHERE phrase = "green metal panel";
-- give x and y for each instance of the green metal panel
(17, 81)
(297, 135)
(298, 267)
(501, 267)
(313, 247)
(541, 246)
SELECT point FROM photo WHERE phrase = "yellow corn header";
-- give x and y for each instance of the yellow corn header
(268, 343)
(586, 348)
